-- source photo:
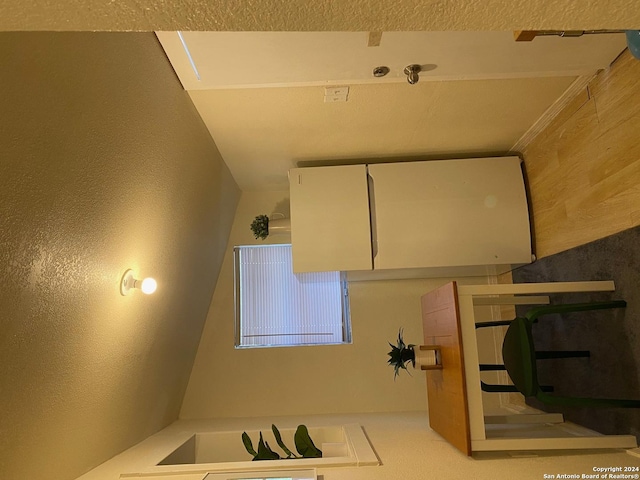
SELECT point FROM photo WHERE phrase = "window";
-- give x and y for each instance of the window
(309, 474)
(277, 308)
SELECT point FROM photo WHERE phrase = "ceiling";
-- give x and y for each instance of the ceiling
(262, 94)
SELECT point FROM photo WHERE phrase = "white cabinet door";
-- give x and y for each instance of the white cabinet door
(330, 227)
(449, 213)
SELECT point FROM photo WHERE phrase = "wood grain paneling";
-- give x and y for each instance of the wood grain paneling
(446, 388)
(584, 168)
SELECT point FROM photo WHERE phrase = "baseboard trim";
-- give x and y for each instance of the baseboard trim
(552, 112)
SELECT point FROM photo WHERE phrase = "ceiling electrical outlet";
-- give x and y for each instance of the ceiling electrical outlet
(330, 91)
(335, 98)
(336, 94)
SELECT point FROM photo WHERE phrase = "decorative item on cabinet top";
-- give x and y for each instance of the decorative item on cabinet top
(304, 445)
(262, 226)
(428, 357)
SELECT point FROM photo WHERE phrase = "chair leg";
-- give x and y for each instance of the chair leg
(485, 367)
(586, 402)
(497, 323)
(573, 307)
(486, 387)
(543, 355)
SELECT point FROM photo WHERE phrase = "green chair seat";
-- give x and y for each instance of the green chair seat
(520, 356)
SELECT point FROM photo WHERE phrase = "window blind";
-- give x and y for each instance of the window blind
(275, 307)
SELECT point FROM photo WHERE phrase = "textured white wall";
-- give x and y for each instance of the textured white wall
(104, 166)
(321, 15)
(307, 380)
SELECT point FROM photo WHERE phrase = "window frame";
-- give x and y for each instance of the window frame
(344, 297)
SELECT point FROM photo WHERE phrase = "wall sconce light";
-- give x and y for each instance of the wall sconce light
(147, 285)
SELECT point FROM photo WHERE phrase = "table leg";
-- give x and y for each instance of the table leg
(522, 300)
(554, 443)
(471, 370)
(533, 288)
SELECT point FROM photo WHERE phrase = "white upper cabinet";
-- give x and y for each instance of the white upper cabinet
(330, 227)
(205, 60)
(450, 213)
(428, 218)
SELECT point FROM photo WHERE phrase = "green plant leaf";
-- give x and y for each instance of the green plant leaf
(260, 227)
(276, 433)
(264, 452)
(304, 444)
(277, 456)
(248, 444)
(400, 355)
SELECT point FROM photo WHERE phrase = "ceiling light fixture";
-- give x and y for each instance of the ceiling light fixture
(148, 285)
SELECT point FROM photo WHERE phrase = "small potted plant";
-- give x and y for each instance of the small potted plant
(400, 355)
(262, 226)
(428, 357)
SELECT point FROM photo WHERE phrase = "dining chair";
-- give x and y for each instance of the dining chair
(519, 357)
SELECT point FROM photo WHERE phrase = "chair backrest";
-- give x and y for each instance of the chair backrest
(519, 356)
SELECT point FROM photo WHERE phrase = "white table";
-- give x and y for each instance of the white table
(469, 432)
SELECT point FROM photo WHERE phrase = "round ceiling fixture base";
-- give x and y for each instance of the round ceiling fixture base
(127, 283)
